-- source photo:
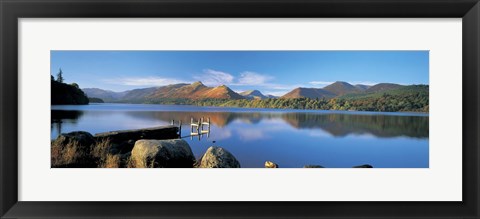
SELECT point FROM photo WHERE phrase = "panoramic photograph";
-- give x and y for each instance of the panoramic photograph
(239, 109)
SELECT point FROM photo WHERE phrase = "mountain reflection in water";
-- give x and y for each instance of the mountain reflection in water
(292, 138)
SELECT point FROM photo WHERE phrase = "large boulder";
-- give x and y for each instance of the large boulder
(217, 157)
(72, 150)
(174, 153)
(84, 139)
(270, 164)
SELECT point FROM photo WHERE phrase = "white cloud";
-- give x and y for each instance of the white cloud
(277, 93)
(253, 78)
(263, 82)
(214, 78)
(317, 83)
(288, 87)
(251, 134)
(220, 135)
(319, 133)
(281, 89)
(145, 81)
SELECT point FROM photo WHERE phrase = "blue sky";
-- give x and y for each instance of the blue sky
(271, 72)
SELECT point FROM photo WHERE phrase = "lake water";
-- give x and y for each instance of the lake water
(290, 138)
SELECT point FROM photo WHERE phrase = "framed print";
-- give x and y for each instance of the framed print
(253, 109)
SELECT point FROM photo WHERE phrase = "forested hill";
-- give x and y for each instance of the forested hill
(66, 94)
(413, 98)
(385, 97)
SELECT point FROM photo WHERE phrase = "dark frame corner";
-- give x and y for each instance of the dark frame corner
(11, 10)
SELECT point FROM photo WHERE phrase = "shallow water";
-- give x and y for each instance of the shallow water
(290, 138)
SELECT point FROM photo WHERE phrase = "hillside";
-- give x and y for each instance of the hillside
(95, 100)
(221, 92)
(105, 95)
(311, 93)
(382, 87)
(66, 94)
(362, 87)
(340, 88)
(385, 97)
(194, 91)
(401, 90)
(269, 96)
(253, 94)
(170, 93)
(138, 94)
(414, 98)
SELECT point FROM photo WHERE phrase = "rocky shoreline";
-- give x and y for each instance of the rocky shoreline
(158, 147)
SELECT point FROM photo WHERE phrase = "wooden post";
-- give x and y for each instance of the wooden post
(191, 122)
(180, 129)
(198, 127)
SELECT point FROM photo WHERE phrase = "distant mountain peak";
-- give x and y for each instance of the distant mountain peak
(341, 88)
(340, 83)
(254, 94)
(383, 87)
(251, 92)
(362, 87)
(300, 92)
(222, 92)
(197, 84)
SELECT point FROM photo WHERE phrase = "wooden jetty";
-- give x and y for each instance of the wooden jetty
(121, 136)
(199, 127)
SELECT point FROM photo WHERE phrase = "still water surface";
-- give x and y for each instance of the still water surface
(290, 138)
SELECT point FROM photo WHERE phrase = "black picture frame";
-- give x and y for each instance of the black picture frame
(12, 10)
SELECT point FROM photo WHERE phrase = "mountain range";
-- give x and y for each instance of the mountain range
(255, 95)
(198, 91)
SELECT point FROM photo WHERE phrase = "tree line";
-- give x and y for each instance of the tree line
(405, 102)
(66, 94)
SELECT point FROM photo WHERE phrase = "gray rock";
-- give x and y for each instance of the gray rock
(217, 157)
(84, 139)
(313, 166)
(270, 164)
(72, 150)
(364, 166)
(174, 153)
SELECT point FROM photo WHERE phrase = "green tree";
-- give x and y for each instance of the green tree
(60, 76)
